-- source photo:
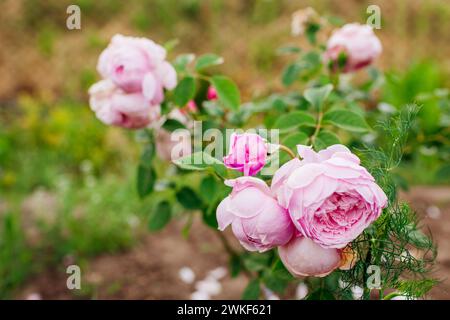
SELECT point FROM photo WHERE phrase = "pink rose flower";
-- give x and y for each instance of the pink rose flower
(248, 153)
(113, 106)
(212, 93)
(137, 64)
(303, 257)
(257, 220)
(330, 197)
(357, 42)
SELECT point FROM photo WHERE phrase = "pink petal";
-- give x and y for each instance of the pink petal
(303, 257)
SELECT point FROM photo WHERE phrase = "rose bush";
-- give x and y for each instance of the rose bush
(322, 213)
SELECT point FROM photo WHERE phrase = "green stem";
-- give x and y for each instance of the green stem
(318, 126)
(391, 295)
(288, 151)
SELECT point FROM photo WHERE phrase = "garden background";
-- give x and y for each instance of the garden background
(67, 189)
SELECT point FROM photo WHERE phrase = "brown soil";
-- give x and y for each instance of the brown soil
(150, 269)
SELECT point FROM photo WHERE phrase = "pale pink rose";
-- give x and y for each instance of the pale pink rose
(248, 153)
(115, 107)
(212, 93)
(137, 65)
(303, 257)
(257, 220)
(358, 43)
(330, 197)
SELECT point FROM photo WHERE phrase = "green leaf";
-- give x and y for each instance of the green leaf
(252, 291)
(317, 96)
(201, 161)
(443, 173)
(172, 125)
(169, 45)
(146, 177)
(147, 155)
(293, 120)
(288, 50)
(346, 119)
(235, 266)
(184, 91)
(207, 60)
(325, 139)
(256, 262)
(181, 62)
(280, 271)
(208, 188)
(189, 199)
(290, 74)
(311, 31)
(321, 294)
(274, 283)
(160, 216)
(209, 216)
(227, 91)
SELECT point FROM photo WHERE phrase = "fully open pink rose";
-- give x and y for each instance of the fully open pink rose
(115, 107)
(256, 218)
(248, 153)
(303, 257)
(137, 65)
(330, 197)
(357, 43)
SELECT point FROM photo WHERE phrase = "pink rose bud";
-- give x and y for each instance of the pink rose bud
(303, 257)
(356, 44)
(113, 106)
(330, 197)
(248, 153)
(190, 107)
(256, 219)
(212, 93)
(137, 64)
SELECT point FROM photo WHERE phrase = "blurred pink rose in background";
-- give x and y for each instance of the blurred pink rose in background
(115, 107)
(303, 257)
(330, 197)
(212, 93)
(357, 43)
(137, 65)
(247, 154)
(190, 107)
(257, 220)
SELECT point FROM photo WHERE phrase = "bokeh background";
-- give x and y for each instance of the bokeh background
(67, 193)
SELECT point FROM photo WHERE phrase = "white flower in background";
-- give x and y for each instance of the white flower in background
(199, 295)
(186, 275)
(269, 294)
(301, 18)
(209, 286)
(357, 292)
(34, 296)
(433, 212)
(217, 273)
